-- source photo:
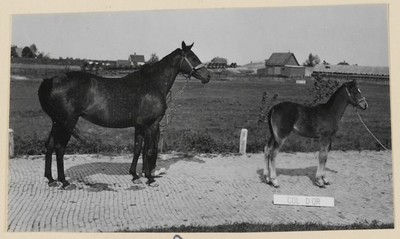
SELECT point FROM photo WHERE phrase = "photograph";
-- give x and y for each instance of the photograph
(209, 120)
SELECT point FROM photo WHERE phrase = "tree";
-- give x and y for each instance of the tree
(153, 58)
(33, 48)
(14, 51)
(312, 60)
(322, 90)
(27, 52)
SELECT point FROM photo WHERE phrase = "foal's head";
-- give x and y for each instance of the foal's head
(354, 95)
(192, 66)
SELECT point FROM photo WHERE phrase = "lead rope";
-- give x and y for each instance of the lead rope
(173, 109)
(369, 131)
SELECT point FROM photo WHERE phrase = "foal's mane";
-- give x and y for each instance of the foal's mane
(337, 92)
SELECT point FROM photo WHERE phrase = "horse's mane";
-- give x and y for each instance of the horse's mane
(149, 68)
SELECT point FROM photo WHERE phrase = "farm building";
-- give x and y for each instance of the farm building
(123, 63)
(218, 62)
(352, 71)
(18, 50)
(136, 60)
(282, 64)
(133, 61)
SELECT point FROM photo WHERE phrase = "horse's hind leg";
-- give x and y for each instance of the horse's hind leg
(271, 151)
(267, 157)
(63, 138)
(272, 158)
(136, 153)
(50, 145)
(320, 177)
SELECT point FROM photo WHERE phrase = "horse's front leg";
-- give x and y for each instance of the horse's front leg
(320, 177)
(150, 152)
(136, 153)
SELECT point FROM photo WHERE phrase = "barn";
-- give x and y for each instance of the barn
(218, 62)
(123, 63)
(282, 64)
(137, 60)
(351, 71)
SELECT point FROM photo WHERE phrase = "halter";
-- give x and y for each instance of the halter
(358, 100)
(193, 69)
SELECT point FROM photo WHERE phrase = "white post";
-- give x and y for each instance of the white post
(243, 141)
(11, 142)
(161, 144)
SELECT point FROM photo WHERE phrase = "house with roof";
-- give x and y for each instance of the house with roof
(133, 61)
(282, 64)
(136, 60)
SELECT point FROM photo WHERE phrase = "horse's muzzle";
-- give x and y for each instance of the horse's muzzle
(206, 80)
(362, 104)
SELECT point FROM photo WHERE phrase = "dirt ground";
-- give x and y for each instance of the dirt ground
(197, 190)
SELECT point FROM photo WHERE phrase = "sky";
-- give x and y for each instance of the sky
(357, 34)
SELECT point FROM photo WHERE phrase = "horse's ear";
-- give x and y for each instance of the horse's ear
(186, 48)
(351, 84)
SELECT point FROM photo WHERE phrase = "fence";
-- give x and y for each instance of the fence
(38, 72)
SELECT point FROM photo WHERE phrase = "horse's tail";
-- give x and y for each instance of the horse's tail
(44, 93)
(271, 129)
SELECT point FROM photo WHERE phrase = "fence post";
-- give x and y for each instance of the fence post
(11, 142)
(243, 141)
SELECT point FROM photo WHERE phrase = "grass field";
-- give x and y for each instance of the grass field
(208, 119)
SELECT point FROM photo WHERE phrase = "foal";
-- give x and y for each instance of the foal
(320, 121)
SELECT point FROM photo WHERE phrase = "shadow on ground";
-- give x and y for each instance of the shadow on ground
(80, 172)
(308, 172)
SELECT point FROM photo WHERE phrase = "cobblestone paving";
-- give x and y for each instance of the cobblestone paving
(199, 190)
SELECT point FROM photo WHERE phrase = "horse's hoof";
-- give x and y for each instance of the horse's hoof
(159, 172)
(69, 187)
(326, 182)
(53, 184)
(154, 184)
(273, 184)
(319, 184)
(137, 181)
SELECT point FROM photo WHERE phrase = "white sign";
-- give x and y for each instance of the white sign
(304, 201)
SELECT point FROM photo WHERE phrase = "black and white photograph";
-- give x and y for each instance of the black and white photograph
(209, 120)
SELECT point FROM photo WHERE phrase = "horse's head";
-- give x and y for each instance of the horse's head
(354, 94)
(192, 66)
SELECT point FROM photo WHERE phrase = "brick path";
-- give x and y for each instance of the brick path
(200, 190)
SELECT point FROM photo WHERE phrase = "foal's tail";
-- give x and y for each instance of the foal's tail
(271, 129)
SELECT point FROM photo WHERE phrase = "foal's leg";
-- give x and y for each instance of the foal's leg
(136, 153)
(272, 156)
(267, 158)
(320, 179)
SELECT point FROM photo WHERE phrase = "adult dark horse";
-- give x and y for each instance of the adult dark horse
(320, 121)
(136, 100)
